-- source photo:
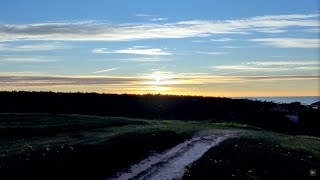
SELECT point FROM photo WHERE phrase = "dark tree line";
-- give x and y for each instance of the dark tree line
(262, 114)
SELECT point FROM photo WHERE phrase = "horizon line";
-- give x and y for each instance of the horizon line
(157, 94)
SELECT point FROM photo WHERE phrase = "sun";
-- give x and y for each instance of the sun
(161, 78)
(158, 81)
(158, 77)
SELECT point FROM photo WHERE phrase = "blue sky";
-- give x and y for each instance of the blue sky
(196, 47)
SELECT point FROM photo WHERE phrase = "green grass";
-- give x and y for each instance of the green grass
(260, 155)
(15, 125)
(84, 147)
(45, 146)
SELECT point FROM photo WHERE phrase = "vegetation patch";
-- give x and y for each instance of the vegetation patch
(60, 146)
(260, 155)
(46, 146)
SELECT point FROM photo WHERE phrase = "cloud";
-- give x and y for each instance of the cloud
(213, 53)
(153, 17)
(65, 80)
(137, 50)
(207, 79)
(102, 31)
(153, 51)
(24, 59)
(271, 66)
(314, 30)
(248, 68)
(286, 17)
(270, 30)
(159, 19)
(101, 51)
(106, 70)
(161, 78)
(145, 59)
(200, 41)
(152, 79)
(222, 40)
(285, 77)
(214, 40)
(231, 47)
(289, 42)
(277, 63)
(32, 47)
(144, 15)
(20, 73)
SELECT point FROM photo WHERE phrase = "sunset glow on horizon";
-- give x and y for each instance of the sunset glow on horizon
(204, 48)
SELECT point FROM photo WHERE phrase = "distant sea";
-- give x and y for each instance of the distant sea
(305, 100)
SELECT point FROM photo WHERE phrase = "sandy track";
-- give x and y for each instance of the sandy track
(172, 163)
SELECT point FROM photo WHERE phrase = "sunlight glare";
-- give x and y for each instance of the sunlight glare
(161, 78)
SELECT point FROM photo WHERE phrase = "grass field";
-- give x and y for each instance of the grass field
(260, 155)
(87, 147)
(44, 146)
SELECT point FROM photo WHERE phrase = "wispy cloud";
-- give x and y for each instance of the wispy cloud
(159, 19)
(200, 41)
(212, 53)
(66, 80)
(101, 31)
(135, 50)
(153, 79)
(279, 78)
(144, 15)
(105, 70)
(32, 47)
(101, 51)
(270, 30)
(282, 63)
(289, 42)
(24, 59)
(314, 30)
(214, 40)
(248, 68)
(20, 73)
(152, 17)
(286, 17)
(271, 66)
(231, 47)
(222, 40)
(153, 51)
(145, 59)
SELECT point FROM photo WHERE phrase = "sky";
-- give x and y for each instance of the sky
(197, 47)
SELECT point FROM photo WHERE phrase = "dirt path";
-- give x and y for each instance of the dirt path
(172, 163)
